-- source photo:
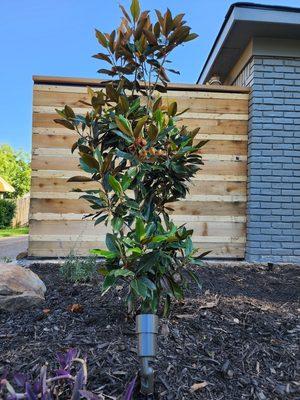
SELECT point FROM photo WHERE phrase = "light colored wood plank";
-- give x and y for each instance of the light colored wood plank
(62, 152)
(59, 206)
(93, 238)
(80, 206)
(63, 174)
(72, 164)
(223, 146)
(62, 249)
(60, 185)
(86, 227)
(196, 197)
(40, 90)
(44, 124)
(205, 187)
(204, 104)
(218, 187)
(209, 208)
(187, 115)
(59, 80)
(44, 216)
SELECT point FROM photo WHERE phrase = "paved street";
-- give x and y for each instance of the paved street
(11, 247)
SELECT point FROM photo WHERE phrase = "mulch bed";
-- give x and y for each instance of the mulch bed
(238, 338)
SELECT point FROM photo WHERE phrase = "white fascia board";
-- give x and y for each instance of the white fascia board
(267, 16)
(217, 48)
(249, 15)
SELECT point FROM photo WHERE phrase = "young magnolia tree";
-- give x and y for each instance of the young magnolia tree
(143, 162)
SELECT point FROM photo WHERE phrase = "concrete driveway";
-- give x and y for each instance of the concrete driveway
(11, 247)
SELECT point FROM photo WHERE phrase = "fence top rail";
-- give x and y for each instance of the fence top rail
(69, 81)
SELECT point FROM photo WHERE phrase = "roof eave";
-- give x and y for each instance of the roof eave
(247, 12)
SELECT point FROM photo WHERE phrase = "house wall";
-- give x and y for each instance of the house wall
(273, 210)
(215, 207)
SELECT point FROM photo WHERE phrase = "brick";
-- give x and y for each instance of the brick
(284, 69)
(274, 185)
(271, 231)
(270, 245)
(281, 199)
(272, 179)
(270, 61)
(272, 140)
(281, 252)
(284, 107)
(292, 62)
(290, 192)
(270, 218)
(281, 225)
(291, 114)
(284, 82)
(282, 238)
(292, 101)
(291, 245)
(282, 212)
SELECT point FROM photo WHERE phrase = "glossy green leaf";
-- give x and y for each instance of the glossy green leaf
(139, 228)
(121, 272)
(172, 109)
(158, 239)
(147, 282)
(134, 250)
(135, 9)
(90, 161)
(125, 13)
(195, 278)
(139, 126)
(124, 125)
(79, 179)
(110, 255)
(67, 124)
(139, 288)
(127, 139)
(69, 112)
(115, 185)
(101, 38)
(100, 219)
(117, 223)
(108, 282)
(112, 243)
(102, 56)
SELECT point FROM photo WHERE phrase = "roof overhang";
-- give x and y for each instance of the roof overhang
(5, 187)
(243, 22)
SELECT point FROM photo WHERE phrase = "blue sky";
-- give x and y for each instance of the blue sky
(56, 37)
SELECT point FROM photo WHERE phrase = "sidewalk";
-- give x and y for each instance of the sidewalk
(11, 247)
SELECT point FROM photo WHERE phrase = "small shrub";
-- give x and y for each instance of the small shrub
(7, 212)
(79, 269)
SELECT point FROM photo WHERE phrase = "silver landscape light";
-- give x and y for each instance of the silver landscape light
(147, 329)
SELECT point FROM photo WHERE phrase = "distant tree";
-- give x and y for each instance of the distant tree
(15, 169)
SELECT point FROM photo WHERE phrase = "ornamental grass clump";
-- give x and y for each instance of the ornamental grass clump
(131, 145)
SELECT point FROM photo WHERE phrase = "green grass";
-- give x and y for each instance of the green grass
(7, 232)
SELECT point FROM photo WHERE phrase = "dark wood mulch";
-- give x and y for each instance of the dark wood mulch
(239, 337)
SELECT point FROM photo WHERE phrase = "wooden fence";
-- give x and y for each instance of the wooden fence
(215, 208)
(22, 211)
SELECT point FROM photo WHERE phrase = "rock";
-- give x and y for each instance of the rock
(165, 330)
(19, 288)
(23, 254)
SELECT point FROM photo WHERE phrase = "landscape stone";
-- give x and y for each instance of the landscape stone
(20, 288)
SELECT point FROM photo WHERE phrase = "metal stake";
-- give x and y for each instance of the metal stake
(147, 329)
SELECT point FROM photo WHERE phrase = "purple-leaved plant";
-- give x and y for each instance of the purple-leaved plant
(68, 382)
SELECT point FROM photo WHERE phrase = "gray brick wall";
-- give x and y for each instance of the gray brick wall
(273, 227)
